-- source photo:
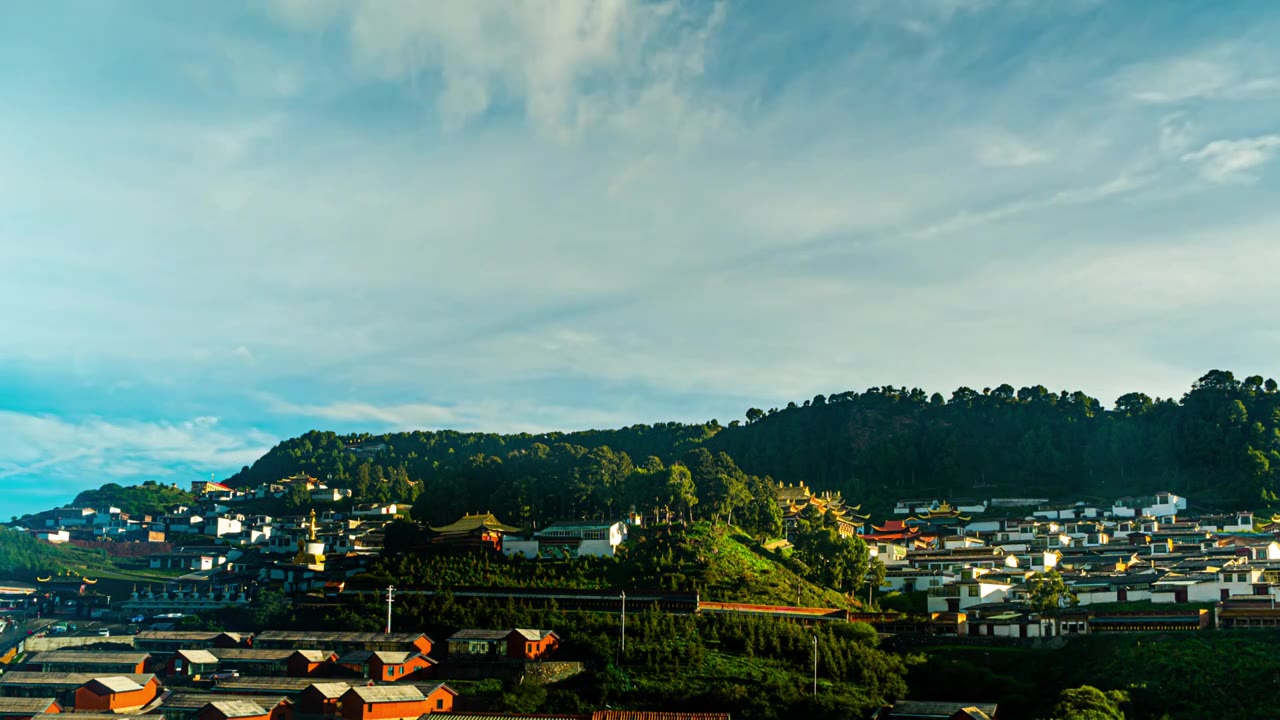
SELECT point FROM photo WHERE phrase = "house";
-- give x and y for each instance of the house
(261, 662)
(169, 641)
(191, 663)
(56, 537)
(304, 663)
(103, 663)
(386, 665)
(509, 644)
(1160, 505)
(911, 506)
(439, 697)
(187, 705)
(1244, 612)
(342, 642)
(273, 686)
(565, 540)
(116, 694)
(222, 526)
(385, 702)
(330, 494)
(964, 594)
(27, 708)
(935, 710)
(1201, 587)
(200, 487)
(915, 579)
(321, 700)
(386, 510)
(60, 686)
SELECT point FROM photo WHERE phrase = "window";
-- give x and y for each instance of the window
(973, 590)
(439, 703)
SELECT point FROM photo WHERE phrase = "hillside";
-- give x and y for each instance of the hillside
(1219, 443)
(149, 498)
(23, 557)
(718, 562)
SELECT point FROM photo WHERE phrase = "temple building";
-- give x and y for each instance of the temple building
(945, 520)
(310, 550)
(795, 499)
(473, 532)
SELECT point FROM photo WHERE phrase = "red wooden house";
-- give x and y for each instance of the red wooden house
(528, 644)
(116, 694)
(398, 702)
(305, 663)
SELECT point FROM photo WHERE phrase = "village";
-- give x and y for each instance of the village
(1135, 564)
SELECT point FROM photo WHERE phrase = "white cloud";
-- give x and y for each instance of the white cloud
(1231, 160)
(570, 64)
(409, 416)
(35, 445)
(1226, 73)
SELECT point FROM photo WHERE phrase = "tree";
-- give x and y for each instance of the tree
(754, 414)
(680, 491)
(1047, 593)
(1089, 703)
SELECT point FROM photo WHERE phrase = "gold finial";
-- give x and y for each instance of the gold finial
(313, 524)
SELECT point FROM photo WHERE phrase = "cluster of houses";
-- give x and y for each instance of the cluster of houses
(274, 675)
(974, 560)
(269, 675)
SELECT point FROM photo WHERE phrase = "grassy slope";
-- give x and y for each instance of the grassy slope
(729, 566)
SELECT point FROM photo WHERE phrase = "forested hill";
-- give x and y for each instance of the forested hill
(1219, 443)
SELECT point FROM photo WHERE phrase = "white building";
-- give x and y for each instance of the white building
(54, 536)
(218, 527)
(960, 596)
(568, 540)
(1161, 505)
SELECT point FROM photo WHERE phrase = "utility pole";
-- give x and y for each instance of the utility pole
(815, 666)
(624, 624)
(390, 599)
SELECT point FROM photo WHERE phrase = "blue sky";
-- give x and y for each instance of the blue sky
(223, 224)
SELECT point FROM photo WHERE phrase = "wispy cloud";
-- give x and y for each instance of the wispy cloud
(71, 452)
(1231, 160)
(530, 215)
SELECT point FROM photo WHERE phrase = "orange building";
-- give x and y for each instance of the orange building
(439, 697)
(322, 700)
(531, 644)
(305, 663)
(22, 708)
(398, 702)
(115, 694)
(393, 666)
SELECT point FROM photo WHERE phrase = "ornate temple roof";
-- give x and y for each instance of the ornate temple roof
(472, 523)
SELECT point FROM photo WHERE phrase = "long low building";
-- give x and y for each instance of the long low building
(79, 661)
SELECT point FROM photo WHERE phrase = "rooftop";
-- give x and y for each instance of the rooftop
(195, 701)
(198, 657)
(116, 684)
(388, 693)
(60, 679)
(331, 690)
(14, 705)
(238, 708)
(335, 637)
(78, 657)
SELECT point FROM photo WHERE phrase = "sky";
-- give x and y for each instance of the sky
(223, 224)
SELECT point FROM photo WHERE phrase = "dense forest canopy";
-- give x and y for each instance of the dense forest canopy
(1219, 443)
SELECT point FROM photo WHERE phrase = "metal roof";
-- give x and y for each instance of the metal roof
(199, 657)
(116, 684)
(74, 657)
(479, 634)
(238, 708)
(251, 654)
(388, 693)
(331, 690)
(338, 637)
(195, 701)
(33, 706)
(59, 679)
